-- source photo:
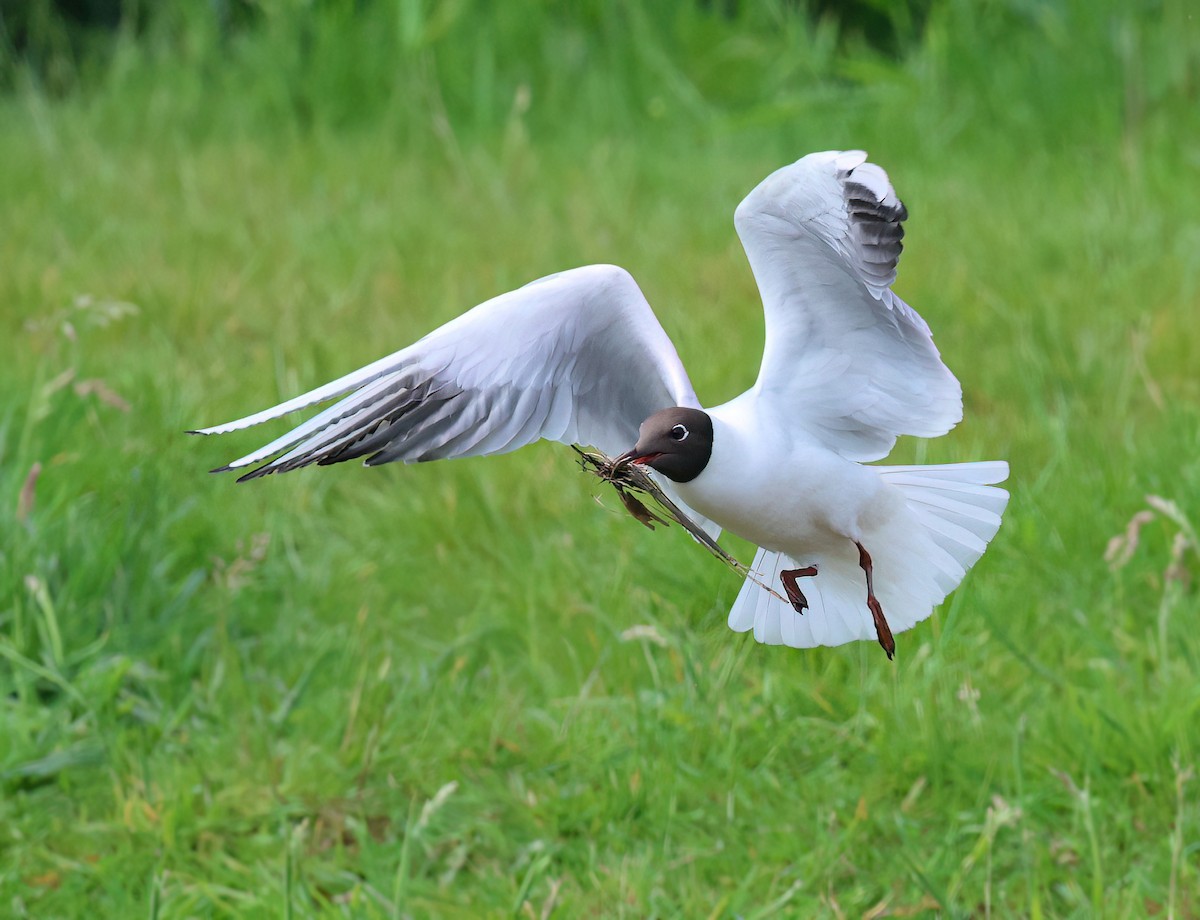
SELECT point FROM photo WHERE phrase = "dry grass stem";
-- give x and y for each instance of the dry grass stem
(633, 485)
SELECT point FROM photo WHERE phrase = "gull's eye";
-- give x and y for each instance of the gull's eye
(679, 433)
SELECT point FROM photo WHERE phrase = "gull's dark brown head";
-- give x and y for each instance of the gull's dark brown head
(676, 442)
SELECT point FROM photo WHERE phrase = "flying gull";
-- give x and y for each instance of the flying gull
(859, 551)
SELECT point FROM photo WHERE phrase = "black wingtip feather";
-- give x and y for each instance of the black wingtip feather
(256, 473)
(864, 205)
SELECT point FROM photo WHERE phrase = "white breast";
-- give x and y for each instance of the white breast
(780, 489)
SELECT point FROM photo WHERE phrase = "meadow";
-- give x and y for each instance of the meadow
(477, 688)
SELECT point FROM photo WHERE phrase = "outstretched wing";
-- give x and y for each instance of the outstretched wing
(577, 357)
(844, 356)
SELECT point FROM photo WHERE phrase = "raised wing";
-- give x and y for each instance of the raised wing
(577, 357)
(844, 356)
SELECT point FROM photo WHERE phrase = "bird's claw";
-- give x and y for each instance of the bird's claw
(790, 587)
(883, 632)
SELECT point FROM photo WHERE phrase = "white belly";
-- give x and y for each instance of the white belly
(785, 493)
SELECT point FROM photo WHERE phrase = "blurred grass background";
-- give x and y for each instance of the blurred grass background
(463, 689)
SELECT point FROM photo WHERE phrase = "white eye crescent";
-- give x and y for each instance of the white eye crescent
(679, 433)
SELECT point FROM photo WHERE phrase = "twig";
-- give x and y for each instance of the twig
(633, 485)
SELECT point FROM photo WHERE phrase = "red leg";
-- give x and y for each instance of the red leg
(883, 632)
(794, 594)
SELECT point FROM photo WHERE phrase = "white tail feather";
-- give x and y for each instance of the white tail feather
(920, 555)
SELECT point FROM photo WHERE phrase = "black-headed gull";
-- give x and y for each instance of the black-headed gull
(579, 357)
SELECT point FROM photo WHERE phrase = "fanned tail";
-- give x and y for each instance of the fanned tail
(921, 554)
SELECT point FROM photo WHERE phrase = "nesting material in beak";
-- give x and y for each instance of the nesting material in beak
(633, 484)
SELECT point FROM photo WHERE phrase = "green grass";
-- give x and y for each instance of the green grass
(415, 691)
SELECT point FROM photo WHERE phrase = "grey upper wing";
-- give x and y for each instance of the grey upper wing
(577, 357)
(844, 356)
